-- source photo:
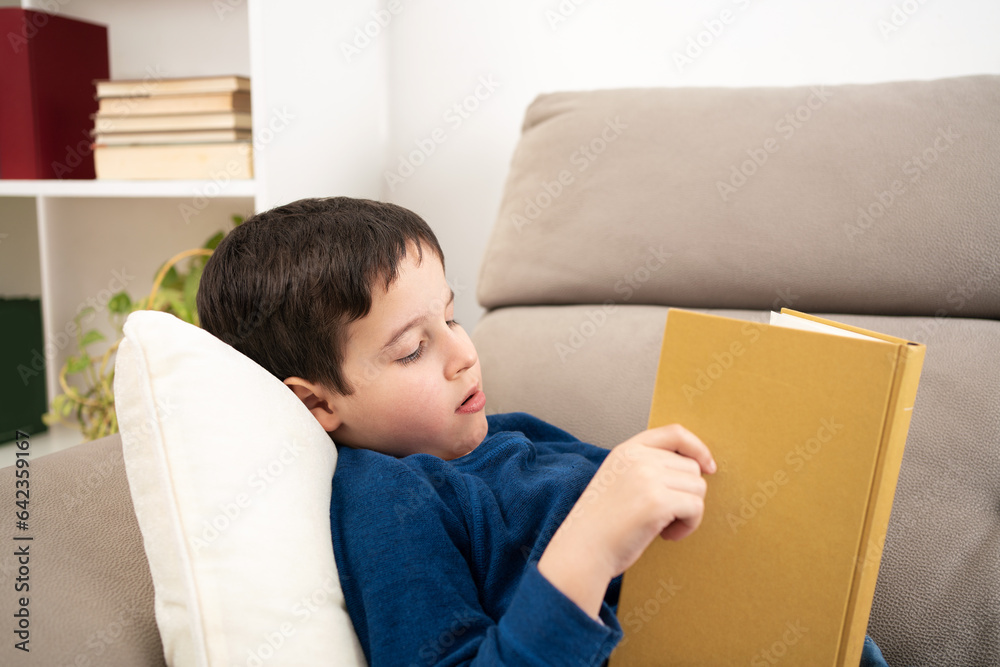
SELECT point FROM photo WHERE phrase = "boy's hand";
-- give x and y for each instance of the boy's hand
(649, 485)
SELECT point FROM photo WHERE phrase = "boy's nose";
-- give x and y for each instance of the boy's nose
(462, 354)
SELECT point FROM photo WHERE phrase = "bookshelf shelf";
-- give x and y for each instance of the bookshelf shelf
(108, 188)
(318, 123)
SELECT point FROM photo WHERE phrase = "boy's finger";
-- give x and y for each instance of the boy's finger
(688, 518)
(678, 439)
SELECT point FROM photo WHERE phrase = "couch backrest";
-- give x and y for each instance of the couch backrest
(862, 203)
(880, 198)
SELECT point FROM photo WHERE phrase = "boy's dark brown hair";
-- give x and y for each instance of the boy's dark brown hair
(282, 287)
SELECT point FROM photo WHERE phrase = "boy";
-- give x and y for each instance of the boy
(459, 538)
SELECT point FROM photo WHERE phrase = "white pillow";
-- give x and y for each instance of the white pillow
(230, 476)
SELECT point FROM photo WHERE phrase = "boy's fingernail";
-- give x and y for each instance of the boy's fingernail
(712, 466)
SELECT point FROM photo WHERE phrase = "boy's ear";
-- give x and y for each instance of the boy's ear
(318, 399)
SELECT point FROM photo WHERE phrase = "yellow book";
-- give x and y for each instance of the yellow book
(168, 104)
(808, 429)
(178, 137)
(218, 161)
(219, 120)
(176, 86)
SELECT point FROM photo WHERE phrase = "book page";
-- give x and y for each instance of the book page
(792, 322)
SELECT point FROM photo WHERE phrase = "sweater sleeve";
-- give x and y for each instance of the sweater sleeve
(414, 599)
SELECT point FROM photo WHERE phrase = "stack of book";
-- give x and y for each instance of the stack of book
(192, 128)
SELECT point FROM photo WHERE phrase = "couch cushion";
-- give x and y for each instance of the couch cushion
(230, 477)
(591, 370)
(879, 198)
(91, 594)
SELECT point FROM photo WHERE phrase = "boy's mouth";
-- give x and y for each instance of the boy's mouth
(474, 402)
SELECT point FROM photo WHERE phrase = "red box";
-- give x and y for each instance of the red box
(48, 65)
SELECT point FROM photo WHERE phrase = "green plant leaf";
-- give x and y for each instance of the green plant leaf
(91, 336)
(213, 243)
(89, 310)
(237, 219)
(77, 364)
(120, 304)
(191, 291)
(172, 301)
(172, 279)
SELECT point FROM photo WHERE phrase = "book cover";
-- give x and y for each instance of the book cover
(168, 104)
(808, 429)
(174, 86)
(22, 391)
(234, 160)
(223, 120)
(175, 137)
(47, 69)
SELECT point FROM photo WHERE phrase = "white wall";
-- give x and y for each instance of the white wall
(439, 50)
(319, 115)
(356, 114)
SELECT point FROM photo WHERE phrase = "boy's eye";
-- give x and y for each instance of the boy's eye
(410, 358)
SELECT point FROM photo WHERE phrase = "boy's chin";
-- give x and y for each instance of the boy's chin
(474, 441)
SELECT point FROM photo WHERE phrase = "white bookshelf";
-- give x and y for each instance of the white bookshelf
(318, 127)
(103, 188)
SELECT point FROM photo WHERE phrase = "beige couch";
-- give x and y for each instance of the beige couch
(877, 205)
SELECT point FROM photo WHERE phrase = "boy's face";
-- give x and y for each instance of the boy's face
(415, 372)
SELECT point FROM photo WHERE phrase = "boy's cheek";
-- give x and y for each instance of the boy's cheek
(404, 397)
(366, 373)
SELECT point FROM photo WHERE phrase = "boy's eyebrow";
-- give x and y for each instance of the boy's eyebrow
(414, 322)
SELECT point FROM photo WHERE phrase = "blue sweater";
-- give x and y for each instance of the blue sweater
(438, 559)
